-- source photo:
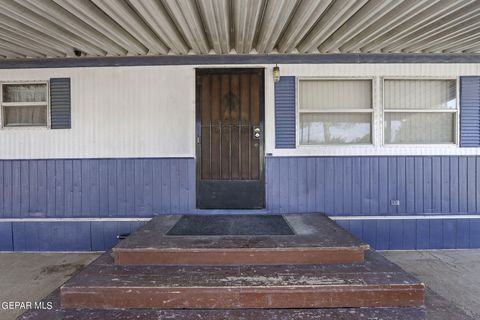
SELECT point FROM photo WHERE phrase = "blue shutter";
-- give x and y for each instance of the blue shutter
(470, 111)
(285, 128)
(60, 103)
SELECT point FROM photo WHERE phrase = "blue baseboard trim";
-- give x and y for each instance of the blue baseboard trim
(63, 236)
(411, 234)
(381, 234)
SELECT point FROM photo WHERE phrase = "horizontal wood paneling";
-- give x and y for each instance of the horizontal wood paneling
(366, 185)
(96, 187)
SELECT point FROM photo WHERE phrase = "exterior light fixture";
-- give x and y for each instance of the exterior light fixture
(276, 73)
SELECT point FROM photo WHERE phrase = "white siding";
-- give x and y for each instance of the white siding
(116, 112)
(150, 111)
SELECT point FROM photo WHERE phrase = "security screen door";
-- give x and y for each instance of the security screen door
(230, 138)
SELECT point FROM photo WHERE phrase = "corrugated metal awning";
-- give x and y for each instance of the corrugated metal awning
(59, 28)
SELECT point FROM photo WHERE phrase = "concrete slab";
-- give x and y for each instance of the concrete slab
(453, 274)
(28, 277)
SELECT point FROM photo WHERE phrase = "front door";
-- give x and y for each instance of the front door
(230, 138)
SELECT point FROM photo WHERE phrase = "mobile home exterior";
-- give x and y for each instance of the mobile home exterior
(388, 145)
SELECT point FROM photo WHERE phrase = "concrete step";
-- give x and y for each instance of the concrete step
(239, 240)
(374, 283)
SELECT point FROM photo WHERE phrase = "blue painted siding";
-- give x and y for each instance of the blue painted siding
(6, 238)
(366, 185)
(51, 236)
(96, 187)
(416, 234)
(285, 114)
(470, 111)
(63, 236)
(347, 186)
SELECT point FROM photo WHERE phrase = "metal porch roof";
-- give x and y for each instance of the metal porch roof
(97, 28)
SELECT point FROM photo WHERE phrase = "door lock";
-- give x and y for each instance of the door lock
(256, 133)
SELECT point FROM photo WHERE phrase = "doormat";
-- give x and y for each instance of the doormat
(234, 225)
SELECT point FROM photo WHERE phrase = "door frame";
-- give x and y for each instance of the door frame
(198, 123)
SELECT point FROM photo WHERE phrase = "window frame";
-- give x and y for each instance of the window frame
(20, 104)
(455, 112)
(371, 110)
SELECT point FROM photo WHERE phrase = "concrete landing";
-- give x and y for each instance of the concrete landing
(236, 240)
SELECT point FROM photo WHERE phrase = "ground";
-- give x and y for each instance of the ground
(28, 277)
(453, 274)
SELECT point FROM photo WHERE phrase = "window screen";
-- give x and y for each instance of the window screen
(335, 112)
(24, 105)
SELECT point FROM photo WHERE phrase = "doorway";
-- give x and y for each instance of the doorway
(230, 138)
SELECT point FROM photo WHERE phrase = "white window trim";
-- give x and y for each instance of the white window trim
(26, 104)
(343, 146)
(456, 133)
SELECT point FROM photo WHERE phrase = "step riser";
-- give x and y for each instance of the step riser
(243, 298)
(239, 257)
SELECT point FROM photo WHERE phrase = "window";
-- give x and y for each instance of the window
(420, 111)
(335, 112)
(24, 104)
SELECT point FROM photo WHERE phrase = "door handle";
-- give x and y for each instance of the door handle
(257, 133)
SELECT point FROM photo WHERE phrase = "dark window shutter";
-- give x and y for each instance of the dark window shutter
(285, 128)
(470, 111)
(60, 103)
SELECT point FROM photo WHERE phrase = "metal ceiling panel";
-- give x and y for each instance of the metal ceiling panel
(96, 28)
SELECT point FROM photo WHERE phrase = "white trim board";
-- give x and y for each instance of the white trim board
(337, 218)
(409, 217)
(74, 219)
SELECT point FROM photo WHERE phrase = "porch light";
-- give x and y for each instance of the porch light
(276, 73)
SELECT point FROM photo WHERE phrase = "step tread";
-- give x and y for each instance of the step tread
(57, 313)
(436, 307)
(311, 231)
(375, 283)
(374, 272)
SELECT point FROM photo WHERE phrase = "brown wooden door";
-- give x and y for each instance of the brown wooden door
(230, 138)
